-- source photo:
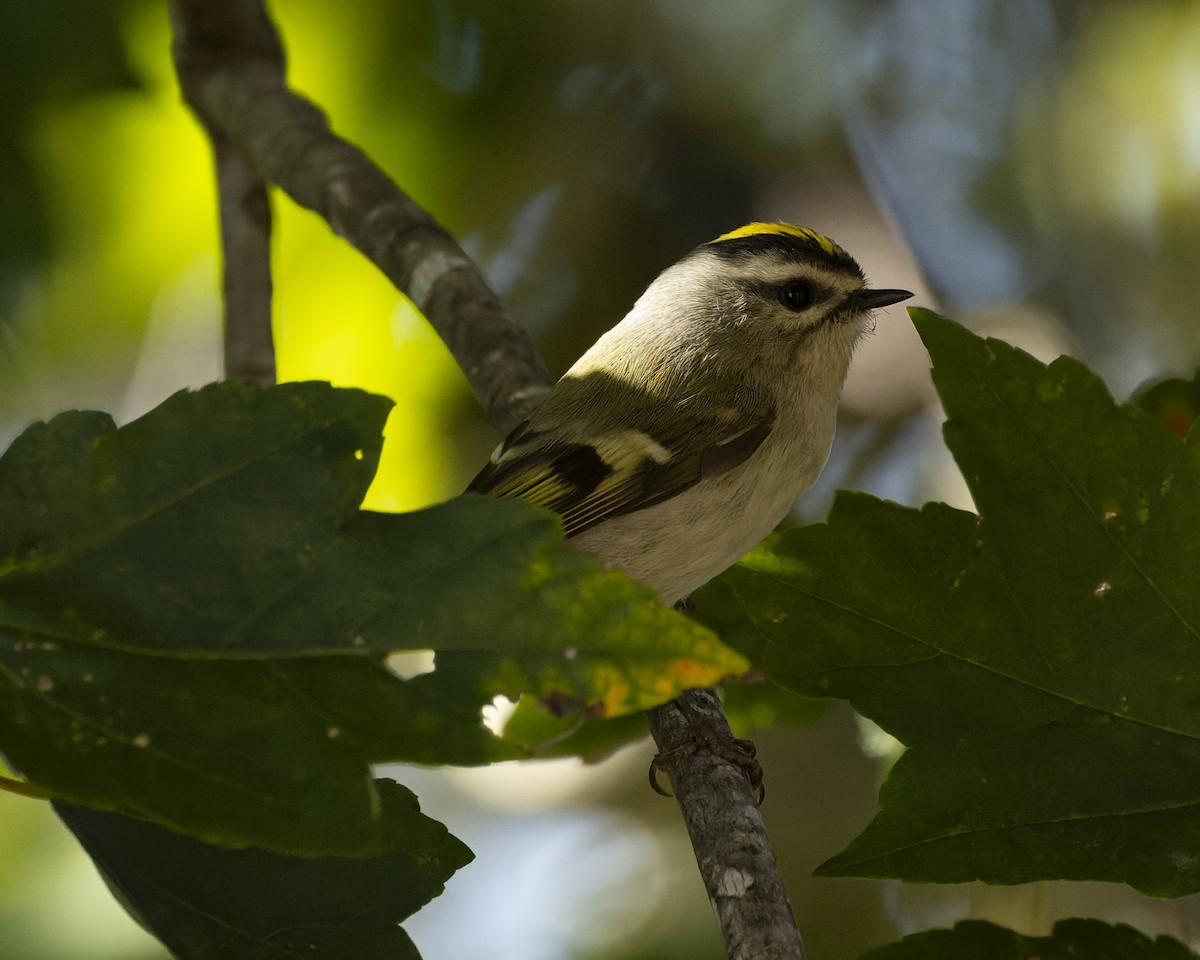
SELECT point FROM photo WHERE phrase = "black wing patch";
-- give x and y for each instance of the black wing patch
(623, 470)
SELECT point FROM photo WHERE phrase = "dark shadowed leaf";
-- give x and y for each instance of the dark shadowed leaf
(195, 618)
(1038, 659)
(212, 903)
(1071, 940)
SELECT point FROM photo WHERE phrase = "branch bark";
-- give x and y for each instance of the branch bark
(232, 70)
(724, 822)
(201, 43)
(246, 248)
(231, 67)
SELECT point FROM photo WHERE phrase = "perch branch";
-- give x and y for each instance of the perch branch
(724, 822)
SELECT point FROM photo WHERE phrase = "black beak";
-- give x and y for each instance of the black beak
(870, 299)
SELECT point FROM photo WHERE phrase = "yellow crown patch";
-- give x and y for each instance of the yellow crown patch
(786, 230)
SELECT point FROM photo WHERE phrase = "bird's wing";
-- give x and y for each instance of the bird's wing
(589, 465)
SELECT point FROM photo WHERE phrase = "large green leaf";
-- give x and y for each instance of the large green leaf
(1071, 940)
(1039, 659)
(195, 618)
(212, 903)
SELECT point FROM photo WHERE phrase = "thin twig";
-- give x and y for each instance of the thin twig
(246, 247)
(202, 42)
(231, 67)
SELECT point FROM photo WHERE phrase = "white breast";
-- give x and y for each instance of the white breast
(680, 544)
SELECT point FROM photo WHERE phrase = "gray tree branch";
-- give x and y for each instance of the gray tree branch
(246, 284)
(232, 70)
(723, 819)
(201, 43)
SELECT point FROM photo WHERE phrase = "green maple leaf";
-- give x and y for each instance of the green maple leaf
(196, 619)
(1071, 940)
(1039, 659)
(208, 901)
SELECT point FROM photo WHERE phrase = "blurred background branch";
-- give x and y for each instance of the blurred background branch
(205, 38)
(245, 212)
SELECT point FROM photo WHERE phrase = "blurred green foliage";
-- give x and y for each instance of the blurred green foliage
(85, 45)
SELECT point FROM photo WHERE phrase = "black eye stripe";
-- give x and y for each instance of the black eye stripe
(800, 293)
(795, 294)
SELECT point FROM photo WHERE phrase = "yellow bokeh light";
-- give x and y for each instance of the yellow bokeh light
(339, 319)
(1122, 137)
(145, 223)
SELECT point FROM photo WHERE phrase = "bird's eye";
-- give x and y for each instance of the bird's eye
(797, 295)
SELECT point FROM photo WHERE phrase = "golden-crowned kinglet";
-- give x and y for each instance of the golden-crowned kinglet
(686, 433)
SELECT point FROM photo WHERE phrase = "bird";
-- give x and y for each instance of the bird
(686, 433)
